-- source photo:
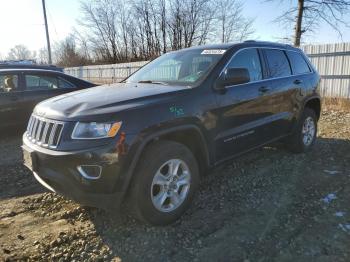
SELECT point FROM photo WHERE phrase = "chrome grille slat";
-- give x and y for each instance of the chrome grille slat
(47, 137)
(52, 135)
(40, 126)
(44, 132)
(34, 124)
(36, 129)
(43, 138)
(31, 125)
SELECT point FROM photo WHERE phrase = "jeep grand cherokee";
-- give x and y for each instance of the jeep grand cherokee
(148, 140)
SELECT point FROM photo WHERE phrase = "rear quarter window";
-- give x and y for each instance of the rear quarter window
(298, 63)
(278, 63)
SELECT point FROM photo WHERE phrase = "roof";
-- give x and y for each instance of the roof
(8, 65)
(244, 44)
(29, 70)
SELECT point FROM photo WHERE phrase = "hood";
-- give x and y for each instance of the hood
(104, 99)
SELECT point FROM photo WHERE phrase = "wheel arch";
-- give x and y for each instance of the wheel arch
(314, 103)
(188, 135)
(196, 143)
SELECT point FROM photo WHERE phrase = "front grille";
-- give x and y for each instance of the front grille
(44, 132)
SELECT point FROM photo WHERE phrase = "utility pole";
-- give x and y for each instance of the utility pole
(47, 34)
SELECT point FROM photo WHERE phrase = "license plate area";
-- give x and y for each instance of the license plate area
(29, 158)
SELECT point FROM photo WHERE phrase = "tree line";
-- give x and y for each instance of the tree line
(115, 31)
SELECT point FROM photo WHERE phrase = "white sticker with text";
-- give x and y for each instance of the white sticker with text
(213, 52)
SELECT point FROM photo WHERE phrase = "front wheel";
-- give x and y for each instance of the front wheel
(164, 184)
(305, 134)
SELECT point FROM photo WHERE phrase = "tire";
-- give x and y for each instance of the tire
(298, 143)
(153, 198)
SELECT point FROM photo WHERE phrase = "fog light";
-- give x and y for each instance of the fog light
(90, 171)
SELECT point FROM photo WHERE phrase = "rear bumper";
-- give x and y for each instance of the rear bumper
(58, 172)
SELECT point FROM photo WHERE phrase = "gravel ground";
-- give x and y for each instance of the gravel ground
(268, 205)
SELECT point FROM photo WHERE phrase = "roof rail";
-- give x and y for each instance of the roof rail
(248, 41)
(29, 66)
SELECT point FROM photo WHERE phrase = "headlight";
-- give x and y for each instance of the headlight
(95, 130)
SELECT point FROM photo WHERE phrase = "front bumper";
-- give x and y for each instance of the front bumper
(58, 172)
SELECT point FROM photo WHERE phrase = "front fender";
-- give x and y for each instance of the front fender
(140, 142)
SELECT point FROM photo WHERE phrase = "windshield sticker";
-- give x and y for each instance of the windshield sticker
(213, 52)
(177, 111)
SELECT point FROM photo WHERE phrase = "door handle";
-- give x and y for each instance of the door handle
(297, 82)
(264, 89)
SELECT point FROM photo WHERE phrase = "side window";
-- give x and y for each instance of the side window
(39, 82)
(278, 63)
(298, 63)
(62, 83)
(8, 82)
(248, 58)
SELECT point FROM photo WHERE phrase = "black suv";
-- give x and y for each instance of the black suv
(149, 139)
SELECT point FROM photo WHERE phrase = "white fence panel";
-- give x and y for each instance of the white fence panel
(102, 74)
(333, 64)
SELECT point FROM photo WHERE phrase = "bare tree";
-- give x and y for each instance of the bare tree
(189, 22)
(20, 52)
(43, 57)
(67, 54)
(234, 26)
(83, 43)
(163, 23)
(99, 17)
(147, 28)
(307, 14)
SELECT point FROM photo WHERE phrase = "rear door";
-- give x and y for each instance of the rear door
(37, 88)
(283, 93)
(63, 86)
(301, 71)
(10, 99)
(43, 85)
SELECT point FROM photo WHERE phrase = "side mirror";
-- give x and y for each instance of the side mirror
(233, 76)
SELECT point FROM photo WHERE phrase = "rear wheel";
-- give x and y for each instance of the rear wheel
(164, 184)
(305, 134)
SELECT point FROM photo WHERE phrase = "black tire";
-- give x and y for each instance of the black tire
(141, 195)
(296, 142)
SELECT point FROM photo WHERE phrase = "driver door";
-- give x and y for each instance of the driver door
(244, 109)
(10, 99)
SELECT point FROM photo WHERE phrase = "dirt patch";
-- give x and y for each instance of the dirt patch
(268, 205)
(336, 104)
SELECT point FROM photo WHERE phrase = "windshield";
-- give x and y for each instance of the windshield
(178, 68)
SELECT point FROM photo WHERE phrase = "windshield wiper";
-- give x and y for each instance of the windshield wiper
(152, 82)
